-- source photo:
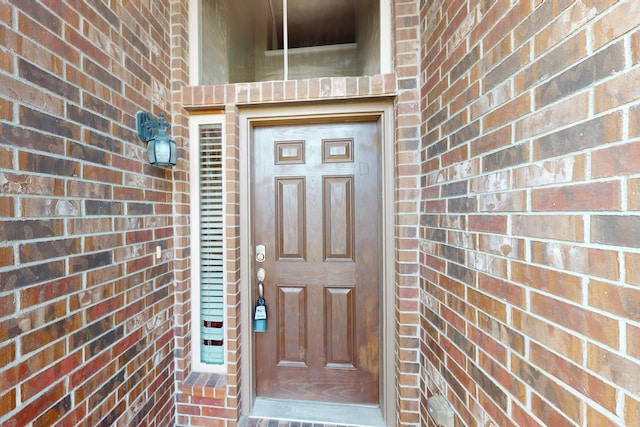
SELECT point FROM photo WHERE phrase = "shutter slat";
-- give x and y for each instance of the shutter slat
(211, 245)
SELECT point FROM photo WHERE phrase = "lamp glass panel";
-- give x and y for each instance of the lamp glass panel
(151, 151)
(174, 153)
(162, 150)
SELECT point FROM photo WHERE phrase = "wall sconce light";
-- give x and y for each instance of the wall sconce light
(161, 149)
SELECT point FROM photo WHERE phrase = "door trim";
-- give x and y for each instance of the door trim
(249, 118)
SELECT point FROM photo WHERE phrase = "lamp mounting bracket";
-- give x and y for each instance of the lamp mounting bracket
(147, 127)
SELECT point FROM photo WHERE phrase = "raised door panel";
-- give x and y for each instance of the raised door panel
(338, 218)
(292, 326)
(340, 321)
(291, 218)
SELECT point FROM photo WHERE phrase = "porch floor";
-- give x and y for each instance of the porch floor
(253, 422)
(287, 413)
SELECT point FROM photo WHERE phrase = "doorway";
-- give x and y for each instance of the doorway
(317, 203)
(316, 212)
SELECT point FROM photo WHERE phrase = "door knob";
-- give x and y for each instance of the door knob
(260, 275)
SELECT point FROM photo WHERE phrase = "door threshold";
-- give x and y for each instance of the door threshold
(318, 412)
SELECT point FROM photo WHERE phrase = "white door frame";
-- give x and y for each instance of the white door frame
(248, 118)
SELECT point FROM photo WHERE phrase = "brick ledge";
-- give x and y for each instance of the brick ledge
(202, 384)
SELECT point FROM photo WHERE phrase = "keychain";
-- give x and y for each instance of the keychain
(260, 316)
(260, 312)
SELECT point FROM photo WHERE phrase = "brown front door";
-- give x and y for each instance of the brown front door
(316, 208)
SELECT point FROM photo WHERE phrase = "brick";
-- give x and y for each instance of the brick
(599, 196)
(45, 377)
(634, 120)
(47, 81)
(562, 170)
(99, 243)
(40, 14)
(563, 113)
(6, 257)
(507, 68)
(6, 159)
(45, 164)
(565, 227)
(624, 17)
(596, 418)
(485, 382)
(631, 411)
(544, 332)
(581, 136)
(620, 370)
(30, 229)
(568, 21)
(53, 414)
(103, 208)
(465, 63)
(488, 223)
(6, 109)
(488, 304)
(491, 140)
(39, 405)
(580, 259)
(102, 75)
(510, 201)
(89, 225)
(512, 293)
(505, 158)
(26, 138)
(632, 260)
(50, 333)
(617, 91)
(508, 112)
(562, 284)
(617, 160)
(41, 207)
(535, 22)
(8, 352)
(455, 156)
(88, 118)
(561, 57)
(48, 123)
(93, 190)
(45, 292)
(50, 249)
(633, 341)
(616, 230)
(7, 402)
(621, 301)
(549, 390)
(73, 417)
(547, 413)
(492, 12)
(581, 320)
(89, 261)
(586, 73)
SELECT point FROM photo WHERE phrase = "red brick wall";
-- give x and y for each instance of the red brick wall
(213, 400)
(529, 230)
(407, 198)
(86, 311)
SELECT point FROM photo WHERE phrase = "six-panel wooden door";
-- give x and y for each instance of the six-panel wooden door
(316, 198)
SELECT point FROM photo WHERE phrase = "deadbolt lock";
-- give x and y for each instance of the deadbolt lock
(261, 255)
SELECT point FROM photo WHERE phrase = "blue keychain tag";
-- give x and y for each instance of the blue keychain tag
(260, 316)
